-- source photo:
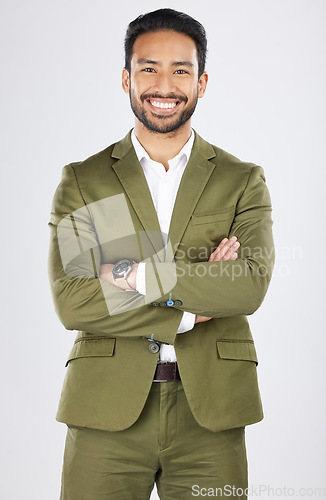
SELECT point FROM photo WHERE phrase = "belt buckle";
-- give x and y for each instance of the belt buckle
(174, 372)
(160, 380)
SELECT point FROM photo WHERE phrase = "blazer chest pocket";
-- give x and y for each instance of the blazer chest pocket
(226, 214)
(204, 232)
(90, 348)
(241, 350)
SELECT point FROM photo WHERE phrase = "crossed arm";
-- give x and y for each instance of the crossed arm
(226, 250)
(225, 286)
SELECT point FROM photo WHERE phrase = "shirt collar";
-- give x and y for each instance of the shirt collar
(142, 153)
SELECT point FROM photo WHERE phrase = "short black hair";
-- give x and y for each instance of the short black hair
(167, 19)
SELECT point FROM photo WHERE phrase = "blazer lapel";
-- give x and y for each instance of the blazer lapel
(193, 182)
(133, 180)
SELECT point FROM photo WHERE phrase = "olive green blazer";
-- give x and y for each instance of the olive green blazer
(102, 212)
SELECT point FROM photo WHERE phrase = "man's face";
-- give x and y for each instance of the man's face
(163, 83)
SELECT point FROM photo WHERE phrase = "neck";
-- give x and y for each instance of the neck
(162, 147)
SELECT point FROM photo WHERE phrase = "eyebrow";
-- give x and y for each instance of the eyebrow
(183, 63)
(176, 63)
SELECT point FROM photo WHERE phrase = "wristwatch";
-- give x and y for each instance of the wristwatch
(120, 272)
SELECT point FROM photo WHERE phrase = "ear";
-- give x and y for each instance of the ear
(202, 84)
(125, 80)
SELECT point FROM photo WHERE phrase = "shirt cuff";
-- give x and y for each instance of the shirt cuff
(140, 278)
(187, 322)
(188, 319)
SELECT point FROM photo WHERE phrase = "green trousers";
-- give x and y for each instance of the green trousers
(166, 446)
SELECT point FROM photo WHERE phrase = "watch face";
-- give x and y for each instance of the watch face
(121, 267)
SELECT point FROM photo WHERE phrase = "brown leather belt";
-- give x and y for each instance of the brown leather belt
(166, 371)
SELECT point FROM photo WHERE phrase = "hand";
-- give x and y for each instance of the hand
(226, 250)
(201, 319)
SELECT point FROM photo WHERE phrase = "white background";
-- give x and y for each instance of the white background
(62, 101)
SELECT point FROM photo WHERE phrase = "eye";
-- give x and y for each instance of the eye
(181, 72)
(148, 70)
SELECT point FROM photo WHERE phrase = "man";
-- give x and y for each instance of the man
(160, 246)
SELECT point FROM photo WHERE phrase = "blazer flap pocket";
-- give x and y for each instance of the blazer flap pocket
(237, 349)
(221, 215)
(92, 348)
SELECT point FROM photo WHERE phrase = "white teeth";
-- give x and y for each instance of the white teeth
(163, 105)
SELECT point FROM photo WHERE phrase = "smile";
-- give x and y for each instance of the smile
(165, 106)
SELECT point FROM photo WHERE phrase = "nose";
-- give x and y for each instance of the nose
(164, 84)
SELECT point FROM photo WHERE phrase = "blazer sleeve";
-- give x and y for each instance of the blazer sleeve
(82, 300)
(229, 288)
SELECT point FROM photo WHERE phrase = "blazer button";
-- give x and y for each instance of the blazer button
(155, 304)
(163, 304)
(178, 303)
(154, 348)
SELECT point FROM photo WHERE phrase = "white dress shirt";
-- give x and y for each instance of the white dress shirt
(163, 186)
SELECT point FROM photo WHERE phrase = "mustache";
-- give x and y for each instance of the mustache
(144, 97)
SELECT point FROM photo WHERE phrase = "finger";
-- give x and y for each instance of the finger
(234, 256)
(231, 250)
(217, 249)
(228, 252)
(225, 249)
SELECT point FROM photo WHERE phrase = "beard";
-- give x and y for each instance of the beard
(162, 124)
